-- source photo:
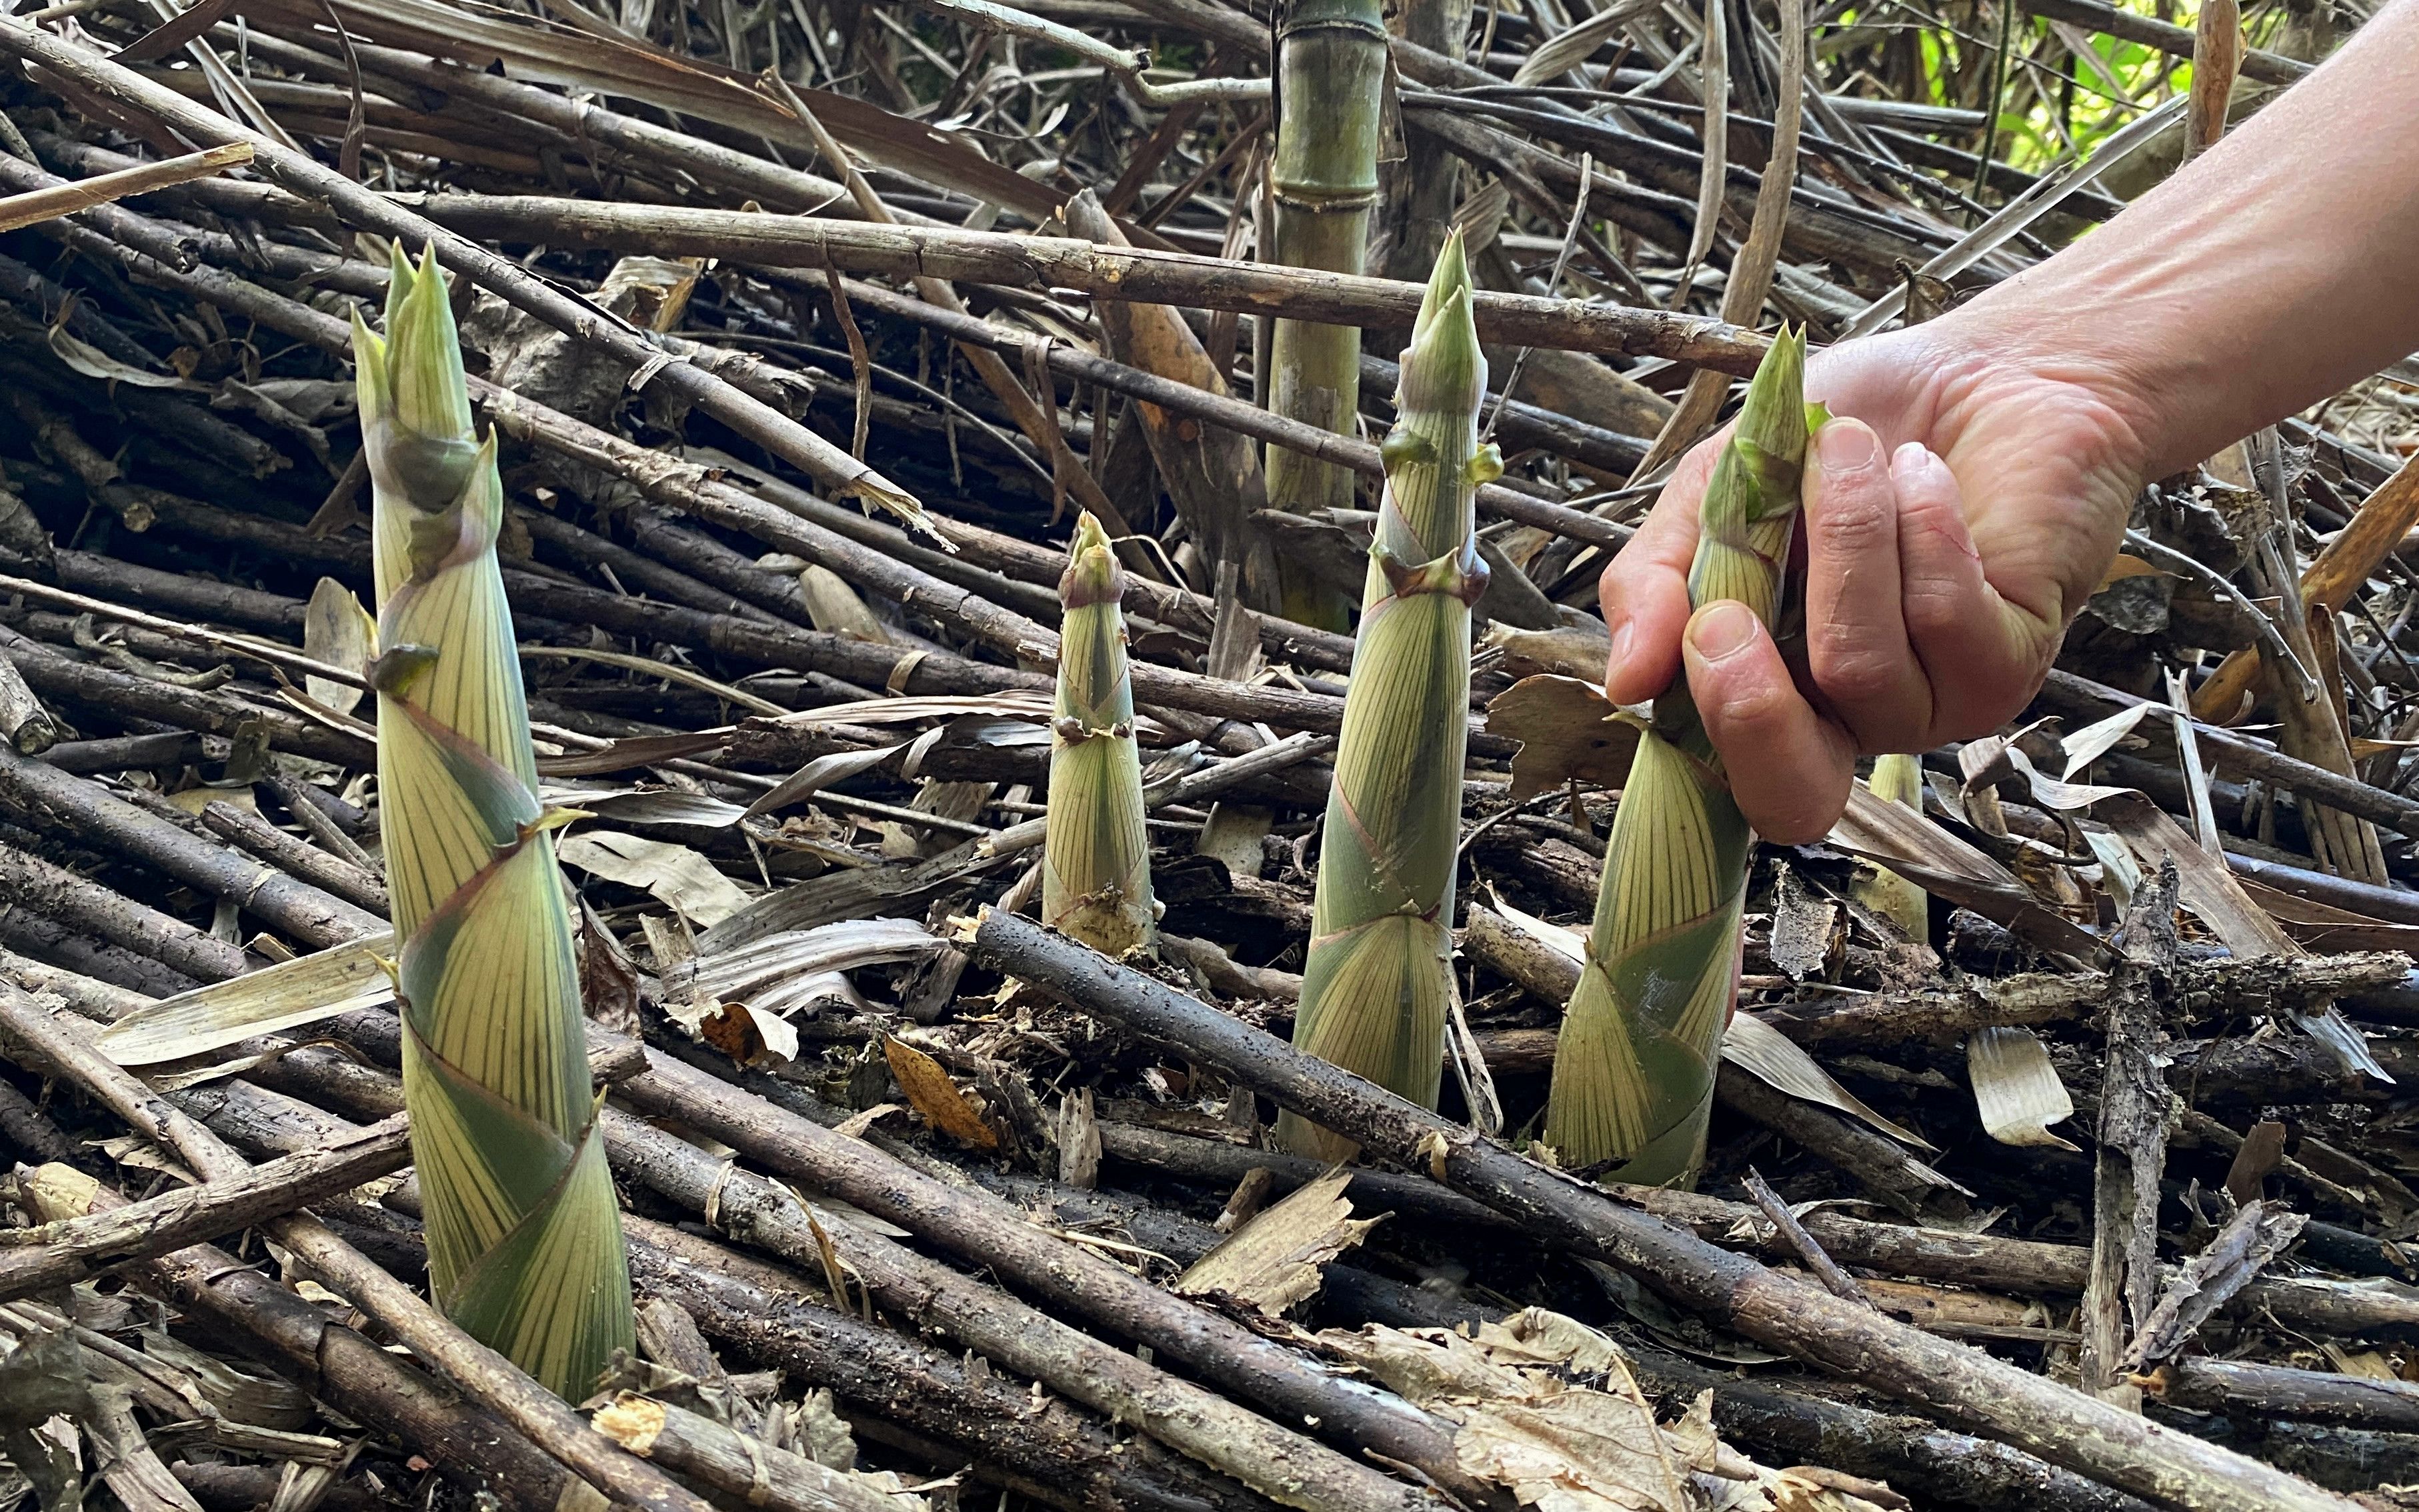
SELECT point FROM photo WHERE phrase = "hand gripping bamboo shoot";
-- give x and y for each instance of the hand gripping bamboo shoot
(1096, 853)
(1634, 1066)
(1379, 981)
(524, 1234)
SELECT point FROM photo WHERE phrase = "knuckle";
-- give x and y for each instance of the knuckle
(1752, 705)
(1850, 669)
(1934, 606)
(1852, 519)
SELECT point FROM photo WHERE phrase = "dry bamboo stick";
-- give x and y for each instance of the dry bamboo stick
(64, 1048)
(2058, 1424)
(61, 1254)
(616, 340)
(20, 210)
(1140, 274)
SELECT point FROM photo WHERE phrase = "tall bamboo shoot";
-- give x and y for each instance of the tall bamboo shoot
(1378, 981)
(524, 1233)
(1634, 1067)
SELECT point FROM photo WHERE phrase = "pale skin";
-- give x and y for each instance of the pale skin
(1973, 491)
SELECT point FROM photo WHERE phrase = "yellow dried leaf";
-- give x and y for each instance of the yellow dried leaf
(1566, 729)
(930, 1092)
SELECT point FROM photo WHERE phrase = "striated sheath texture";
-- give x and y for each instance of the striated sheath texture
(1379, 981)
(524, 1232)
(1096, 852)
(1634, 1068)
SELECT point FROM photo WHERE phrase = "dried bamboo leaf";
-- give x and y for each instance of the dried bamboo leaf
(1567, 49)
(1914, 846)
(674, 874)
(338, 631)
(1567, 729)
(286, 996)
(2016, 1091)
(1522, 1423)
(1272, 1263)
(1781, 1063)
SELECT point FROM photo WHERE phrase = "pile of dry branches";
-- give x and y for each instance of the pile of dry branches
(805, 329)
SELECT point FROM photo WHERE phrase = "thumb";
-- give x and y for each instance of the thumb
(1789, 767)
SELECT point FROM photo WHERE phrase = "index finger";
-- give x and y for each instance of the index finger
(1645, 589)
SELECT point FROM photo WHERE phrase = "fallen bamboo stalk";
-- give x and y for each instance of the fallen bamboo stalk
(57, 673)
(1055, 1452)
(1767, 1414)
(981, 1229)
(351, 1374)
(731, 1463)
(61, 801)
(854, 661)
(2001, 1400)
(2377, 529)
(1062, 1456)
(1139, 274)
(30, 881)
(1231, 1440)
(2210, 1385)
(18, 212)
(2066, 691)
(1244, 419)
(1273, 1461)
(61, 1254)
(296, 857)
(2165, 36)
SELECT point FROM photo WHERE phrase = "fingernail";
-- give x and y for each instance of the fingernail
(1623, 635)
(1722, 630)
(1912, 461)
(1846, 446)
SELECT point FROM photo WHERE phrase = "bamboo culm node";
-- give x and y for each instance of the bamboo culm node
(1634, 1066)
(1330, 69)
(524, 1232)
(1379, 981)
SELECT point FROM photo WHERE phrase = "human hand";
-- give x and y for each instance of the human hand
(1959, 511)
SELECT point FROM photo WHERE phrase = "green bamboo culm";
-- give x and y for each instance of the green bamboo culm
(524, 1234)
(1323, 178)
(1095, 856)
(1378, 981)
(1634, 1066)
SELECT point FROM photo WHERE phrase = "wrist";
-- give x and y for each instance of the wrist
(2039, 340)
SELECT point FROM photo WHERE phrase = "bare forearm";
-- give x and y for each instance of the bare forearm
(2263, 277)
